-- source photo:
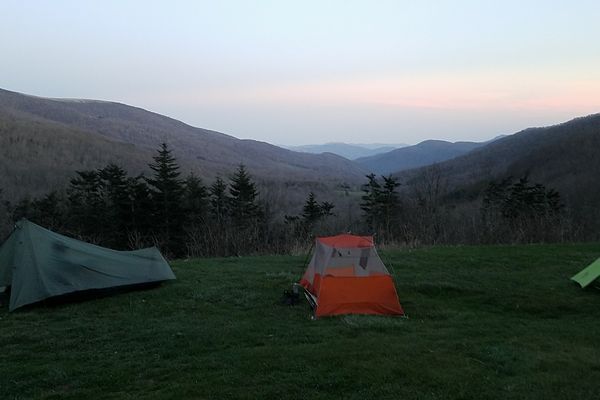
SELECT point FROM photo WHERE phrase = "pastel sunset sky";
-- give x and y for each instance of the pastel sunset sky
(299, 72)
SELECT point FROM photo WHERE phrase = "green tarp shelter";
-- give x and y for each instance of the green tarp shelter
(588, 275)
(37, 263)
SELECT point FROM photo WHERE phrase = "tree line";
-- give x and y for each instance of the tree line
(184, 216)
(427, 212)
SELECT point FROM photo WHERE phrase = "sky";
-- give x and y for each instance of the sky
(300, 72)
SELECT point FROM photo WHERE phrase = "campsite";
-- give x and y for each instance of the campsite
(483, 322)
(316, 200)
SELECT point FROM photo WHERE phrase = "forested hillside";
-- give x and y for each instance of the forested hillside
(37, 155)
(563, 157)
(182, 214)
(65, 135)
(89, 169)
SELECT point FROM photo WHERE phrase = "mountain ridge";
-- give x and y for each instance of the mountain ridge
(424, 153)
(351, 151)
(113, 125)
(562, 157)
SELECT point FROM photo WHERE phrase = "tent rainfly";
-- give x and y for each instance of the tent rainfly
(346, 276)
(588, 274)
(37, 264)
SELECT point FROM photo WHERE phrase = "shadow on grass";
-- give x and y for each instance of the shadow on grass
(85, 296)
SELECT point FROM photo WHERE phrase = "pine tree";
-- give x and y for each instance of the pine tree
(246, 217)
(311, 212)
(219, 228)
(49, 211)
(327, 209)
(520, 210)
(86, 204)
(167, 193)
(219, 200)
(195, 201)
(141, 208)
(389, 204)
(371, 201)
(244, 208)
(381, 205)
(118, 219)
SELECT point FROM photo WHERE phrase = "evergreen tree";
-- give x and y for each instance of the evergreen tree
(553, 202)
(219, 227)
(389, 204)
(246, 216)
(49, 211)
(525, 201)
(244, 208)
(371, 201)
(311, 212)
(195, 201)
(118, 219)
(22, 209)
(381, 205)
(326, 209)
(86, 204)
(219, 200)
(141, 210)
(495, 194)
(167, 193)
(114, 183)
(520, 211)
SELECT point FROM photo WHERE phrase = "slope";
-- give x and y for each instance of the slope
(97, 127)
(37, 155)
(563, 157)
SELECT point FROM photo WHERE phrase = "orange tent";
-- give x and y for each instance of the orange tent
(346, 276)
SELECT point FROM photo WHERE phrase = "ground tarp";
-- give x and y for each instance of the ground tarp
(37, 264)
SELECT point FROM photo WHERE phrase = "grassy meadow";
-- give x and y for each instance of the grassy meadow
(497, 322)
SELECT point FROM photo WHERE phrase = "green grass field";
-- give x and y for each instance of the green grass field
(498, 322)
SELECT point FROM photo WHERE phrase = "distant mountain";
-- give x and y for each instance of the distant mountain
(563, 157)
(349, 151)
(424, 153)
(43, 141)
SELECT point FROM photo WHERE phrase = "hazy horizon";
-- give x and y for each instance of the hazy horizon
(315, 72)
